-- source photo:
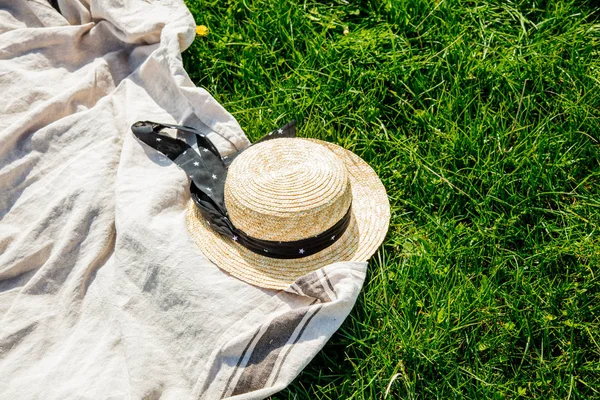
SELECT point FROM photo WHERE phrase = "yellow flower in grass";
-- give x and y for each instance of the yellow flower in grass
(201, 30)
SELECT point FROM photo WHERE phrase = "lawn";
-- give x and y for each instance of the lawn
(482, 119)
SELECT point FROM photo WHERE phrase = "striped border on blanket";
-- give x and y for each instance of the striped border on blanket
(262, 360)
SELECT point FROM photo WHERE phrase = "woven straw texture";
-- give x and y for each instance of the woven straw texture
(290, 189)
(287, 190)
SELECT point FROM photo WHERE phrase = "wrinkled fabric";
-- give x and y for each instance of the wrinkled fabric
(103, 294)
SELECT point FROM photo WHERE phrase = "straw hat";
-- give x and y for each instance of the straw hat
(291, 189)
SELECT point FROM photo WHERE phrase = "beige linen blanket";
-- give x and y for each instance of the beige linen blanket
(103, 294)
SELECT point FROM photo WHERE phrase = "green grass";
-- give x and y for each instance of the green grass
(482, 119)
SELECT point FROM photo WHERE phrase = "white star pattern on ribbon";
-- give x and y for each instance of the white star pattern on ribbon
(158, 139)
(185, 152)
(196, 163)
(214, 176)
(280, 131)
(235, 238)
(205, 150)
(333, 237)
(209, 189)
(266, 251)
(301, 251)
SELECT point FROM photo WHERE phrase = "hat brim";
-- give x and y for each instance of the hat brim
(365, 233)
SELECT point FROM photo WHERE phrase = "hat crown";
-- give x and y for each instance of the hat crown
(286, 189)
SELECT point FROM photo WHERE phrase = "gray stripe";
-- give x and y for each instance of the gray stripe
(265, 353)
(295, 289)
(318, 308)
(239, 362)
(311, 285)
(329, 283)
